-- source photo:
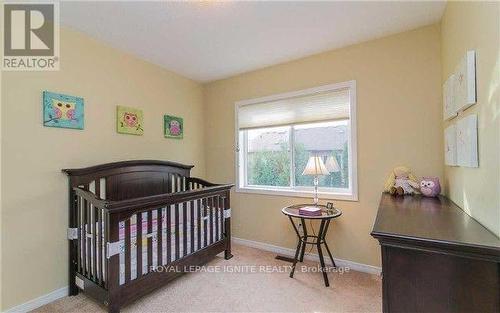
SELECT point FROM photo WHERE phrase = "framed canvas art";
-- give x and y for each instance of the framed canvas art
(467, 141)
(173, 127)
(465, 91)
(449, 107)
(129, 121)
(62, 110)
(450, 146)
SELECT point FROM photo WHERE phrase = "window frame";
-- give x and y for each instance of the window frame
(303, 192)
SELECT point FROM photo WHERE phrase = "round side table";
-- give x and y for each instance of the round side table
(326, 216)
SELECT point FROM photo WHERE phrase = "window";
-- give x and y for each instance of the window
(276, 135)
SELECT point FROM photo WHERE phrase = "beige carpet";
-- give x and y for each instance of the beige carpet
(252, 291)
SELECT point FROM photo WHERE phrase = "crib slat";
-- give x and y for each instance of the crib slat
(169, 234)
(184, 228)
(96, 269)
(106, 236)
(150, 241)
(174, 184)
(84, 237)
(96, 225)
(94, 241)
(211, 220)
(88, 242)
(97, 188)
(198, 220)
(139, 244)
(169, 184)
(217, 218)
(221, 218)
(205, 229)
(97, 191)
(100, 246)
(85, 241)
(191, 220)
(176, 233)
(214, 224)
(159, 236)
(79, 223)
(128, 264)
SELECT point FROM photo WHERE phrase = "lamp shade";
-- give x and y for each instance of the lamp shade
(332, 165)
(315, 166)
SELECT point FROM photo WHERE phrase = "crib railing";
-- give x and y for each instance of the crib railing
(119, 242)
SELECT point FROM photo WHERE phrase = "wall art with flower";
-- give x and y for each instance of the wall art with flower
(129, 121)
(62, 110)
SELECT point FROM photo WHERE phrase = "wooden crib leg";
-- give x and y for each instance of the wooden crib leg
(114, 307)
(73, 243)
(227, 228)
(227, 252)
(73, 289)
(113, 265)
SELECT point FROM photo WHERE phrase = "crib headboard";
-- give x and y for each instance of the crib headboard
(130, 179)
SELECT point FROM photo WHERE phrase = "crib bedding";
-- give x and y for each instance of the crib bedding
(185, 248)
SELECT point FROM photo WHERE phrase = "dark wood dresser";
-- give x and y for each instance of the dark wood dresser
(435, 257)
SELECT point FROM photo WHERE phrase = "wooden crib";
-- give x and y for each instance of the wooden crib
(136, 225)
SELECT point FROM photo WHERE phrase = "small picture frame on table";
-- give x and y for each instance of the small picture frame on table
(329, 206)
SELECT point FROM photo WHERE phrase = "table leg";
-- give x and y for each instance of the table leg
(295, 259)
(330, 254)
(320, 253)
(297, 251)
(326, 245)
(303, 250)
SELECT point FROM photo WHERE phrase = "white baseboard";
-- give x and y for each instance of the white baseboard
(40, 301)
(365, 268)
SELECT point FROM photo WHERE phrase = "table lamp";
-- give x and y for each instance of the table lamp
(315, 167)
(332, 165)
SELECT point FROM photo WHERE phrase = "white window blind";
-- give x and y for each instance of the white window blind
(320, 106)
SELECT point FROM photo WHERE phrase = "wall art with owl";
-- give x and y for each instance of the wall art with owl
(129, 121)
(62, 111)
(173, 127)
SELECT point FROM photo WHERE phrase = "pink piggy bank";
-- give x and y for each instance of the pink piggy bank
(430, 187)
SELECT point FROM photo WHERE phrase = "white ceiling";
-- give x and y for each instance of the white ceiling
(207, 41)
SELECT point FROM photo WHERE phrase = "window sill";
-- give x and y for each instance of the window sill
(298, 193)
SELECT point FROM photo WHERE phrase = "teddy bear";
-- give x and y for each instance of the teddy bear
(401, 182)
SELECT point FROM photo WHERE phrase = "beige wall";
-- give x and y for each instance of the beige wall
(476, 26)
(399, 122)
(34, 217)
